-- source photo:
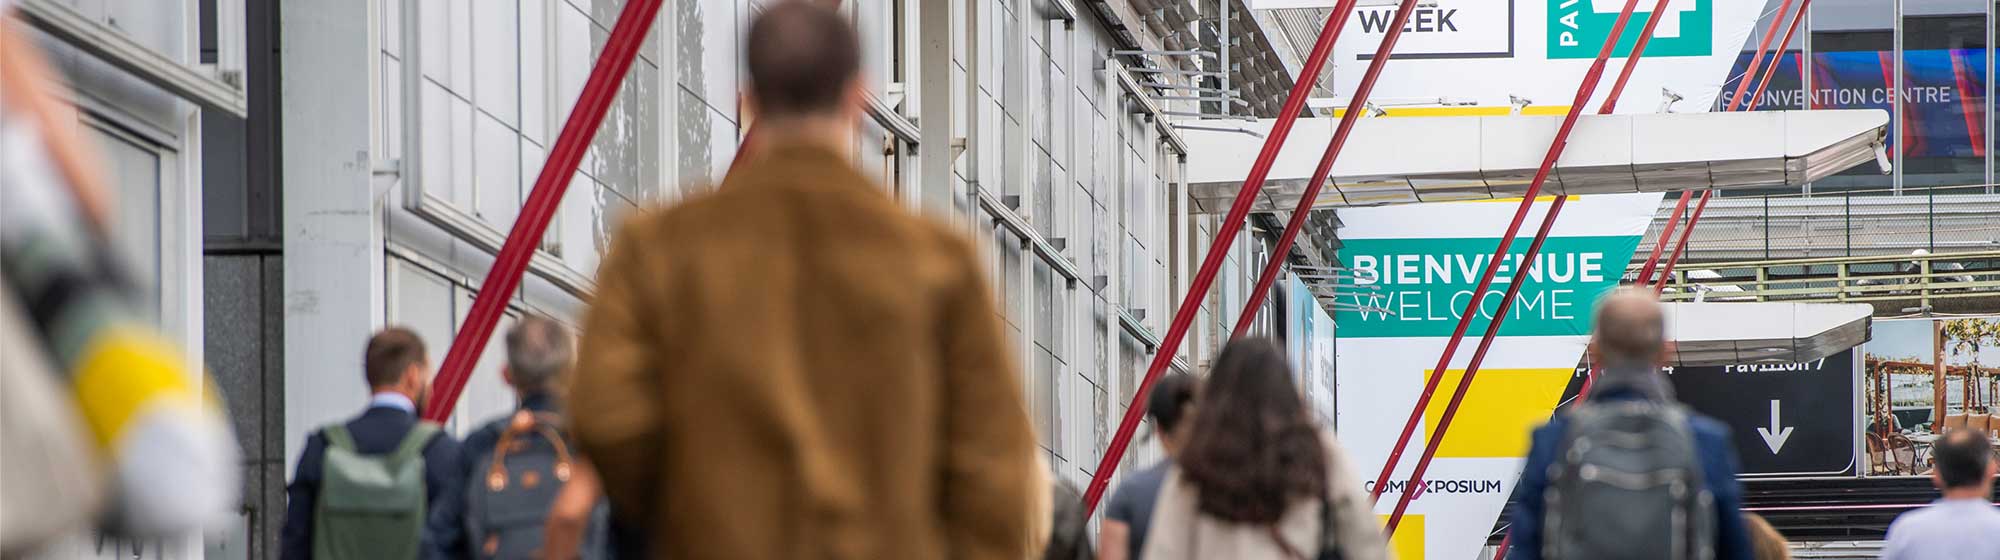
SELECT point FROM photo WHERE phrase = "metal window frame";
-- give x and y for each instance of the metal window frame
(1154, 113)
(121, 51)
(419, 201)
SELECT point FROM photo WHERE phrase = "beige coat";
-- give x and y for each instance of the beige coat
(1180, 531)
(794, 366)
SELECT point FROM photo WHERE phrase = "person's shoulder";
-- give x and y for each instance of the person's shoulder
(440, 438)
(1704, 424)
(483, 438)
(1915, 519)
(1550, 431)
(1708, 430)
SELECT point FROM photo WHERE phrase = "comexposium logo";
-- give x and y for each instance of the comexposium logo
(1577, 28)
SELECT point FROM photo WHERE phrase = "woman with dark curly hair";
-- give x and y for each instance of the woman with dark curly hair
(1257, 478)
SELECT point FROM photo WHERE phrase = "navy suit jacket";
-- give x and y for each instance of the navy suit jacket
(376, 431)
(1718, 465)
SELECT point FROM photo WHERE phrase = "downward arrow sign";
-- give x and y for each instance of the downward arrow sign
(1774, 437)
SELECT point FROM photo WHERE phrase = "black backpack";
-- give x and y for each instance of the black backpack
(513, 487)
(1627, 483)
(1328, 548)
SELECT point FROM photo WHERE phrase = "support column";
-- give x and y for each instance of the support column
(933, 83)
(333, 269)
(1937, 376)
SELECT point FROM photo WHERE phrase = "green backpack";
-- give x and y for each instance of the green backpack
(371, 506)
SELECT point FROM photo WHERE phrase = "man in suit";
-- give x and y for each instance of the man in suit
(398, 371)
(796, 366)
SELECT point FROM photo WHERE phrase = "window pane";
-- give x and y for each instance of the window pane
(1944, 75)
(1853, 45)
(134, 172)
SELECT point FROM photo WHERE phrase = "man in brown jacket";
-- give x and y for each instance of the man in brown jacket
(796, 367)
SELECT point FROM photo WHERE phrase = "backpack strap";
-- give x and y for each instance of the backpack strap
(1329, 548)
(337, 437)
(413, 442)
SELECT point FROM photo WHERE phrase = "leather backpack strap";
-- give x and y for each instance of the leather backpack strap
(1285, 547)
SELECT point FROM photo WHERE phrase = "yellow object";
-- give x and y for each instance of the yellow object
(1408, 542)
(1499, 410)
(124, 371)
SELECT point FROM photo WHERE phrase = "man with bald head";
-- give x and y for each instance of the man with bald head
(1566, 506)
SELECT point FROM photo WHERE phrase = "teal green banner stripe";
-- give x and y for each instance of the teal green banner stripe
(1418, 287)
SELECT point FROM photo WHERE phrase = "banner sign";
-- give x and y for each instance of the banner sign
(1577, 28)
(1909, 363)
(1480, 55)
(1453, 29)
(1787, 419)
(1309, 342)
(1415, 267)
(1944, 93)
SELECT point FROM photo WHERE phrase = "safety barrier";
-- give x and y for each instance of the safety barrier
(1924, 282)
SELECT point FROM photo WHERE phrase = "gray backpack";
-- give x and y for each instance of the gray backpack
(515, 484)
(1627, 483)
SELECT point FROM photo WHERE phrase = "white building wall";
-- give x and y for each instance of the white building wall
(380, 233)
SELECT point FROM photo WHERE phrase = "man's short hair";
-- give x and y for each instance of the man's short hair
(1961, 457)
(802, 57)
(391, 352)
(1169, 400)
(539, 351)
(1631, 329)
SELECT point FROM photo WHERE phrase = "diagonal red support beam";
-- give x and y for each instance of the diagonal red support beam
(1356, 107)
(1225, 237)
(1583, 95)
(1660, 245)
(1755, 61)
(1556, 147)
(1779, 55)
(598, 92)
(1667, 272)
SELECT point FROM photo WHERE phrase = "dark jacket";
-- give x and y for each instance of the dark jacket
(376, 431)
(481, 441)
(1718, 465)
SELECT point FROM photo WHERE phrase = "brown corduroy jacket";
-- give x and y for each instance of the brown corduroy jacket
(794, 366)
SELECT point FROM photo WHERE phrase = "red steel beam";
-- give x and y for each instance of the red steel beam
(505, 277)
(1356, 107)
(1667, 272)
(1631, 63)
(1762, 46)
(1232, 224)
(1660, 245)
(1583, 95)
(1772, 70)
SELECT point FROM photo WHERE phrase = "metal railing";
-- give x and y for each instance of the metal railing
(1926, 280)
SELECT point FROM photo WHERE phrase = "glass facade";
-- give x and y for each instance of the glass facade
(1928, 63)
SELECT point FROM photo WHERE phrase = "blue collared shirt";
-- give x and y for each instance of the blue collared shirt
(396, 401)
(1949, 529)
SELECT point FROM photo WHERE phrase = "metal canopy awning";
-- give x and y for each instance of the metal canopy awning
(1430, 159)
(1710, 334)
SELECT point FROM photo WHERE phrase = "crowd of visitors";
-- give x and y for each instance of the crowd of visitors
(844, 391)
